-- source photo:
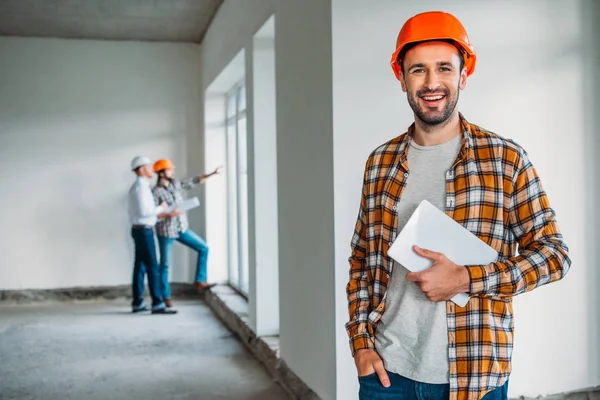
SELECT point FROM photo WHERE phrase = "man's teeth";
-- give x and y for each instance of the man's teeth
(432, 98)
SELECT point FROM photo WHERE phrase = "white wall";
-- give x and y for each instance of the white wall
(72, 116)
(264, 284)
(529, 86)
(305, 184)
(305, 168)
(591, 84)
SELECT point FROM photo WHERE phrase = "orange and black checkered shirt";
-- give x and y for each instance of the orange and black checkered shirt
(493, 190)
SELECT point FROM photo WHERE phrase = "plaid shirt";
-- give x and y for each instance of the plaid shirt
(173, 227)
(492, 190)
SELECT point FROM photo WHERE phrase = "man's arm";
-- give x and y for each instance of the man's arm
(362, 342)
(359, 301)
(543, 255)
(146, 205)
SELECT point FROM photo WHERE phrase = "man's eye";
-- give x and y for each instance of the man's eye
(418, 70)
(444, 69)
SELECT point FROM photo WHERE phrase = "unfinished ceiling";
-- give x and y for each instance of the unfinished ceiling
(143, 20)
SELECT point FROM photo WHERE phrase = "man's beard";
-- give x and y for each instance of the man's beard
(437, 118)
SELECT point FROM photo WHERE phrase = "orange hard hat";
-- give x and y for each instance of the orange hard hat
(163, 164)
(434, 25)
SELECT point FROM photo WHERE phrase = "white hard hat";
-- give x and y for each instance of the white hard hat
(139, 161)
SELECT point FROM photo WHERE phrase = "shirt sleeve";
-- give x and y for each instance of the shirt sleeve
(146, 203)
(359, 300)
(189, 183)
(543, 255)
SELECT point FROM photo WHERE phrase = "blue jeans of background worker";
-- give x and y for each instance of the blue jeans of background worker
(406, 389)
(190, 239)
(145, 263)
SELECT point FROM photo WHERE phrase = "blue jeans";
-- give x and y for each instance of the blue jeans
(145, 262)
(190, 239)
(406, 389)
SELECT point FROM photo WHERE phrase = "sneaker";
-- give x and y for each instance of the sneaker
(139, 309)
(164, 310)
(168, 303)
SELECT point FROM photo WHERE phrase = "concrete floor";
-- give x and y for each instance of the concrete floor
(99, 350)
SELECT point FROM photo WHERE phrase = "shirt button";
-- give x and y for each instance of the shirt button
(406, 174)
(390, 244)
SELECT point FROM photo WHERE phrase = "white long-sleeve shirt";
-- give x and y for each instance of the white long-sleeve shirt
(142, 209)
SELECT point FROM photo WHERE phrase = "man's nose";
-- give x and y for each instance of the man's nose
(431, 81)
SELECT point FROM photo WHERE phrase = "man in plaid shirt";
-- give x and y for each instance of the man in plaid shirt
(174, 226)
(407, 339)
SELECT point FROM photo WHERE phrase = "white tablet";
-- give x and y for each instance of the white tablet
(430, 228)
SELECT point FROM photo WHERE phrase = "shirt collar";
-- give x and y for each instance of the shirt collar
(465, 150)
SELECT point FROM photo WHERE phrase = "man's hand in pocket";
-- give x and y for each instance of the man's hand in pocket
(367, 362)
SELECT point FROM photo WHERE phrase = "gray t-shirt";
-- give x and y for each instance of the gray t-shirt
(412, 335)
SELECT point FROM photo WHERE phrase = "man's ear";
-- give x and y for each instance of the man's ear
(402, 81)
(463, 79)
